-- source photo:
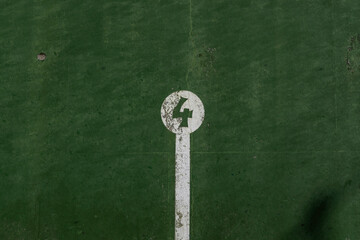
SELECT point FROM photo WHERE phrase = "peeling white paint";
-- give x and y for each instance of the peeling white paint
(182, 187)
(182, 153)
(193, 103)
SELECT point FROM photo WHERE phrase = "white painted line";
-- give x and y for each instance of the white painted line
(182, 113)
(182, 187)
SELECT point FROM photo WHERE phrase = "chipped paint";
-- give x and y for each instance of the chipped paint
(182, 153)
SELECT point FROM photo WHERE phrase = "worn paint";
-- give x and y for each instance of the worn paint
(193, 105)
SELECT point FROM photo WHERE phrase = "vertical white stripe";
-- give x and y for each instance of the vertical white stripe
(182, 153)
(182, 187)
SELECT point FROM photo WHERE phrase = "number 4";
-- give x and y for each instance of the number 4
(184, 115)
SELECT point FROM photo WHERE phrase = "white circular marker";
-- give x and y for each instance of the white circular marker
(182, 112)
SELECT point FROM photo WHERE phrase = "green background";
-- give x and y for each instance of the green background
(83, 151)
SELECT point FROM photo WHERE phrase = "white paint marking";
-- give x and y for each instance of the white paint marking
(182, 187)
(182, 120)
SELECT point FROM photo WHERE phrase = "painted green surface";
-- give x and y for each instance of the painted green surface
(84, 154)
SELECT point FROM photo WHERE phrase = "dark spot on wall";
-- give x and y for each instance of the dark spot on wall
(314, 225)
(316, 216)
(348, 183)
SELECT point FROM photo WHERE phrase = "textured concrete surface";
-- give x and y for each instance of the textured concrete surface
(83, 151)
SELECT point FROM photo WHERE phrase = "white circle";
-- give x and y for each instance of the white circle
(191, 103)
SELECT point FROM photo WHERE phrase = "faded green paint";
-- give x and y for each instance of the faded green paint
(83, 151)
